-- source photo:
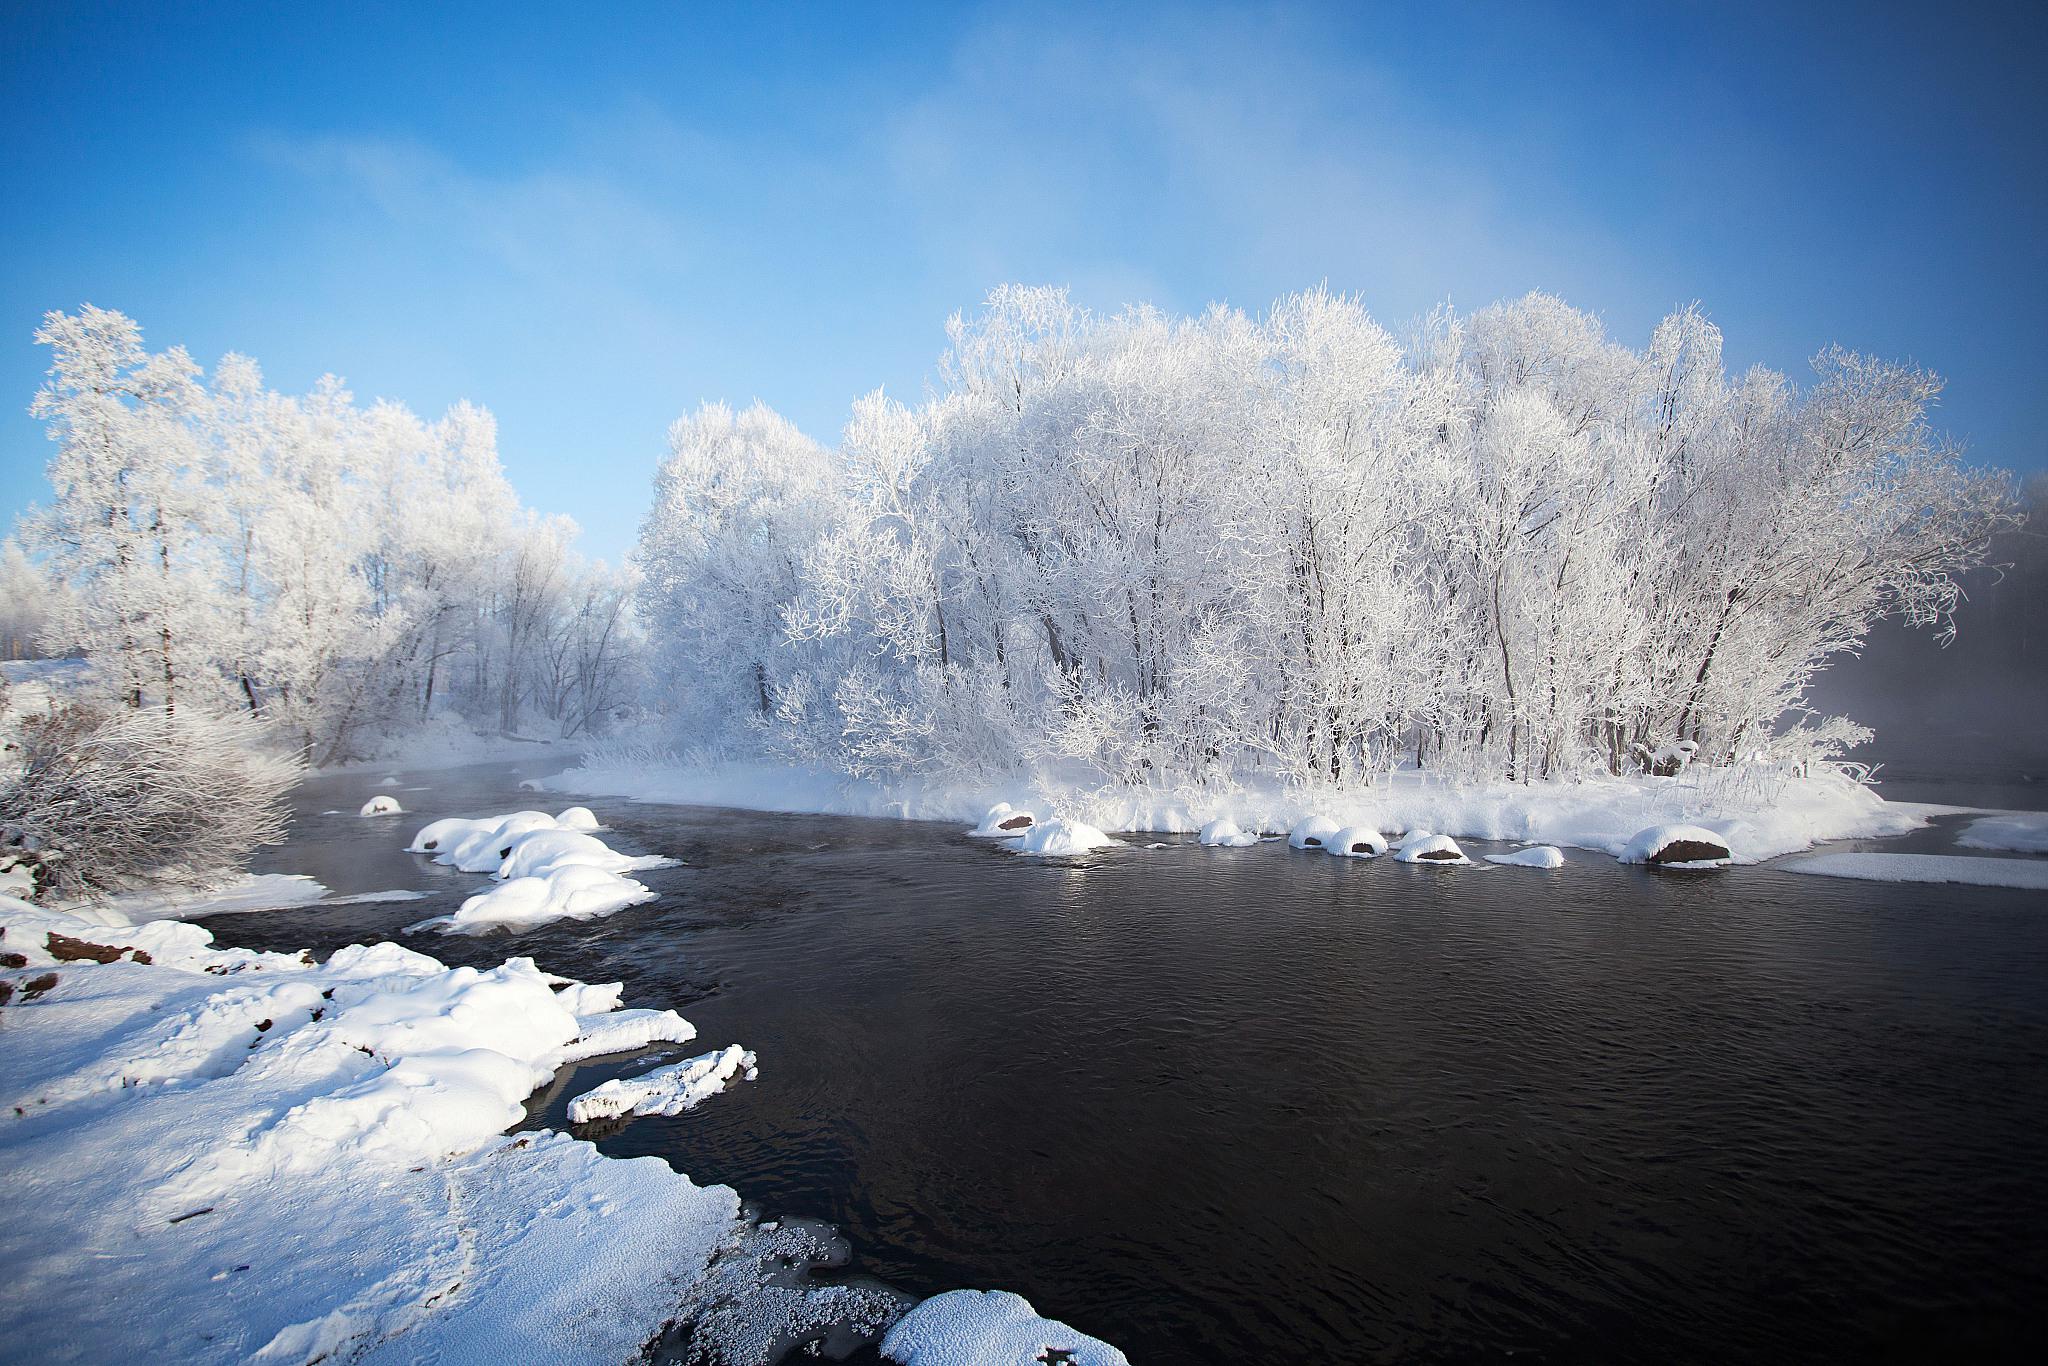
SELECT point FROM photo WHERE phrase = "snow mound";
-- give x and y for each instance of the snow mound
(1678, 846)
(2025, 874)
(1541, 856)
(483, 850)
(1056, 838)
(2022, 832)
(1003, 821)
(537, 853)
(1357, 841)
(578, 818)
(440, 837)
(381, 805)
(666, 1090)
(572, 891)
(1225, 834)
(1441, 850)
(990, 1328)
(1312, 833)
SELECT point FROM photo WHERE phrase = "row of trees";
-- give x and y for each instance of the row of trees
(342, 571)
(1147, 548)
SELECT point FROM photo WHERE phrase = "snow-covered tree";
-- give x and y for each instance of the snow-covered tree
(1154, 549)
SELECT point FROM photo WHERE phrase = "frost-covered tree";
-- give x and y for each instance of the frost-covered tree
(1139, 548)
(341, 571)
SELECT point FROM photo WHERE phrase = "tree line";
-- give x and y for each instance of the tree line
(1143, 548)
(342, 571)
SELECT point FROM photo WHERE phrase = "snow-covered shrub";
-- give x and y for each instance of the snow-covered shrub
(106, 798)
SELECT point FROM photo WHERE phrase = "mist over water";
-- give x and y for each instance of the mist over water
(1966, 722)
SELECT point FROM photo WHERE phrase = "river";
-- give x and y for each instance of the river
(1263, 1105)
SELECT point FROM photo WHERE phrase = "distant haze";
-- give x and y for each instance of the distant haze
(1973, 712)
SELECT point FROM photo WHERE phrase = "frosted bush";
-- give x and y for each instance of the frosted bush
(112, 798)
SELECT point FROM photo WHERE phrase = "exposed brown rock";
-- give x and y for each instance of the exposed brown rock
(65, 949)
(1689, 851)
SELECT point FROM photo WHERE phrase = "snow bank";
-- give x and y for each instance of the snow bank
(990, 1328)
(1357, 841)
(1003, 821)
(1678, 846)
(1440, 850)
(2023, 832)
(666, 1090)
(1541, 856)
(1598, 813)
(1225, 834)
(252, 892)
(1976, 872)
(1058, 838)
(300, 1161)
(1312, 833)
(381, 805)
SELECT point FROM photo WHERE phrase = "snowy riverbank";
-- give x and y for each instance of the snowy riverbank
(1759, 819)
(260, 1157)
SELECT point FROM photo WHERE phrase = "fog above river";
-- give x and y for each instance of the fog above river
(1976, 708)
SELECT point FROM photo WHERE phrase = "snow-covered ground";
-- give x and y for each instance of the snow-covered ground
(1758, 821)
(257, 1157)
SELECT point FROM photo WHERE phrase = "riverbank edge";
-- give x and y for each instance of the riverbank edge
(1759, 820)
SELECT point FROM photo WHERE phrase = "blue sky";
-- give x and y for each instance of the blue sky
(590, 222)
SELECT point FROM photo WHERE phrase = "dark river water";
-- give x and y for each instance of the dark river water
(1267, 1106)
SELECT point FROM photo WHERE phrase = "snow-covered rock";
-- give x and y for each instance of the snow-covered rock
(1441, 850)
(2022, 832)
(1004, 821)
(1225, 834)
(666, 1090)
(529, 785)
(1678, 846)
(485, 848)
(1539, 856)
(1313, 833)
(578, 818)
(572, 891)
(381, 805)
(1357, 841)
(539, 852)
(1055, 838)
(990, 1328)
